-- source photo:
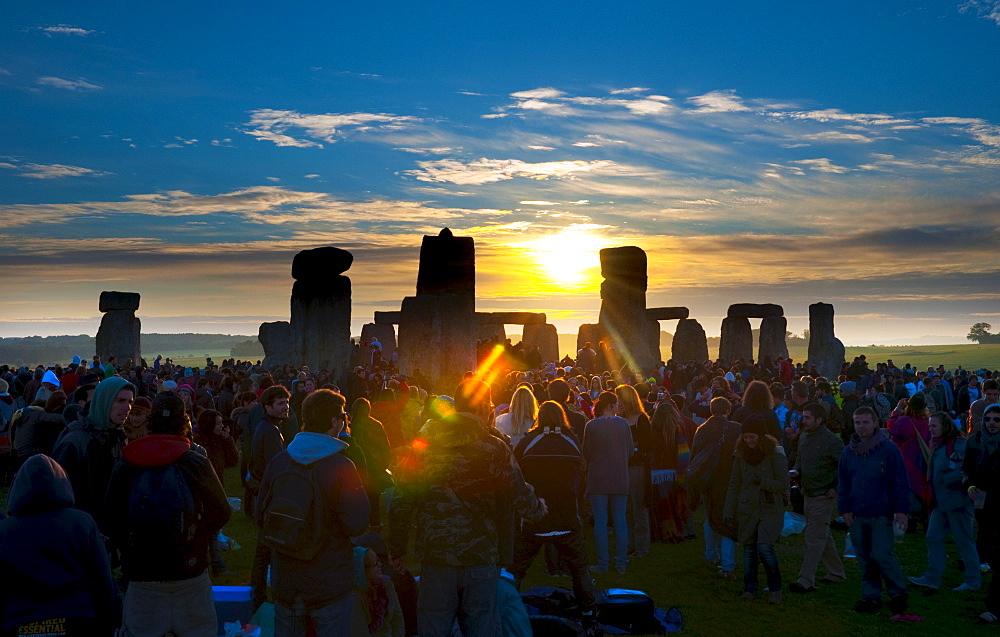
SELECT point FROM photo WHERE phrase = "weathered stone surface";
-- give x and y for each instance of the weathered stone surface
(510, 318)
(588, 333)
(772, 338)
(545, 337)
(119, 336)
(321, 324)
(623, 307)
(437, 337)
(447, 265)
(384, 333)
(690, 343)
(737, 340)
(666, 313)
(320, 263)
(754, 310)
(826, 351)
(119, 301)
(387, 318)
(276, 339)
(491, 332)
(653, 333)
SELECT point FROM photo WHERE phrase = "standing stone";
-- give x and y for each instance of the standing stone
(588, 333)
(623, 307)
(653, 333)
(491, 332)
(690, 342)
(437, 338)
(276, 339)
(120, 331)
(772, 338)
(545, 337)
(826, 352)
(384, 333)
(447, 265)
(737, 340)
(321, 310)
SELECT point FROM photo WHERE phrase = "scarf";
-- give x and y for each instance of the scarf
(863, 447)
(754, 456)
(377, 603)
(991, 442)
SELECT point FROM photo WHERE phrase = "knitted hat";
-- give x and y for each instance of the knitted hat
(3, 387)
(848, 388)
(755, 424)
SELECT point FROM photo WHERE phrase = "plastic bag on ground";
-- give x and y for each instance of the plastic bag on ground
(794, 523)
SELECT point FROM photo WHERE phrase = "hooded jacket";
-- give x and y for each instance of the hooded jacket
(53, 560)
(460, 488)
(165, 563)
(327, 577)
(89, 447)
(872, 478)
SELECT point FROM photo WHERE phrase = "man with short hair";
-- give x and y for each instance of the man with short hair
(586, 358)
(873, 496)
(991, 395)
(316, 590)
(461, 487)
(816, 467)
(88, 448)
(559, 392)
(718, 429)
(266, 443)
(163, 507)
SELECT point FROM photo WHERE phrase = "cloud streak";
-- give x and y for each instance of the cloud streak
(276, 125)
(76, 85)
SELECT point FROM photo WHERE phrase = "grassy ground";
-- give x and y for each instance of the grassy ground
(921, 357)
(678, 575)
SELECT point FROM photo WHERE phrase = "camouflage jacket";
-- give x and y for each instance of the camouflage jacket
(461, 487)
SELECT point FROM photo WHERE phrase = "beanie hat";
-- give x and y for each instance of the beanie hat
(848, 388)
(76, 360)
(50, 377)
(755, 424)
(169, 385)
(167, 413)
(3, 387)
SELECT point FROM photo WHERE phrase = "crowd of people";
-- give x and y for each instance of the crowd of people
(120, 468)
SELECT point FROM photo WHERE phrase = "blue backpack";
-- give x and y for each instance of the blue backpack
(162, 512)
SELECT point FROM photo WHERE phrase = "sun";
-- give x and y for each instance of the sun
(568, 257)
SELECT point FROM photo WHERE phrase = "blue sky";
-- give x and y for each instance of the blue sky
(784, 152)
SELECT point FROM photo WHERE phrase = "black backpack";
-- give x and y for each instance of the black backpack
(292, 513)
(162, 512)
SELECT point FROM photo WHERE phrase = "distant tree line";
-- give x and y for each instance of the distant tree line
(47, 350)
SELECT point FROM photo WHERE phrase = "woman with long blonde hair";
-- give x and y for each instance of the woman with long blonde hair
(669, 456)
(630, 408)
(520, 417)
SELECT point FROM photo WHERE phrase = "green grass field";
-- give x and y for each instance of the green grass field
(678, 575)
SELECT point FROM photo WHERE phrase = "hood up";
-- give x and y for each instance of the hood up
(50, 377)
(104, 396)
(308, 447)
(41, 485)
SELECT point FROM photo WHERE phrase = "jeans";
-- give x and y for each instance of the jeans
(599, 505)
(466, 593)
(332, 620)
(638, 528)
(873, 543)
(258, 571)
(820, 546)
(719, 549)
(959, 523)
(763, 553)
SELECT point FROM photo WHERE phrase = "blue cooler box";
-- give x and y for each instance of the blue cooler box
(232, 603)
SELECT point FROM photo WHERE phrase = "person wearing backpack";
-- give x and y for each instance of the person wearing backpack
(311, 502)
(716, 438)
(163, 507)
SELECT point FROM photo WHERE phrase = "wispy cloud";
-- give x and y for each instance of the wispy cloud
(275, 126)
(484, 171)
(48, 171)
(989, 9)
(79, 84)
(64, 29)
(719, 102)
(630, 91)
